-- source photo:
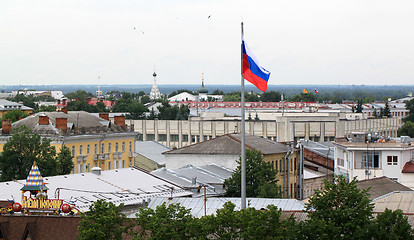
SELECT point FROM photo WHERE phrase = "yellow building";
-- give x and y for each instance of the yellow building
(94, 141)
(6, 106)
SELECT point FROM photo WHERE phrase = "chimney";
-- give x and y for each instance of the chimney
(104, 116)
(43, 120)
(64, 102)
(61, 123)
(6, 126)
(58, 101)
(65, 110)
(119, 120)
(96, 170)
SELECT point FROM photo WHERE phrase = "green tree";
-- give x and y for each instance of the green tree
(339, 211)
(358, 108)
(170, 221)
(260, 178)
(103, 221)
(407, 129)
(64, 163)
(305, 97)
(25, 147)
(391, 225)
(271, 96)
(44, 108)
(14, 115)
(232, 97)
(410, 107)
(385, 112)
(176, 112)
(217, 92)
(79, 94)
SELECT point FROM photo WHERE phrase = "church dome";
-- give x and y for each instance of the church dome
(154, 75)
(202, 89)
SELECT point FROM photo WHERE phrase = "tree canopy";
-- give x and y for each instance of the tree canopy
(340, 210)
(260, 178)
(25, 147)
(103, 221)
(407, 129)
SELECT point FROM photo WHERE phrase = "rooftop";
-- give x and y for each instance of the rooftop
(130, 186)
(230, 144)
(213, 204)
(381, 186)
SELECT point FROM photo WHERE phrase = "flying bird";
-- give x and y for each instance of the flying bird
(209, 16)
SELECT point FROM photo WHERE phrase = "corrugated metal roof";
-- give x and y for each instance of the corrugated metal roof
(213, 204)
(325, 149)
(128, 185)
(230, 144)
(381, 186)
(211, 176)
(152, 150)
(403, 200)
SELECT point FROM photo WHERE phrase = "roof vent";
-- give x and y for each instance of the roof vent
(96, 170)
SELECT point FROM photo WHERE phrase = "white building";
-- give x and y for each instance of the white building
(155, 92)
(371, 159)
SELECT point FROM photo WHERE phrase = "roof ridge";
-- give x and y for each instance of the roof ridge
(195, 144)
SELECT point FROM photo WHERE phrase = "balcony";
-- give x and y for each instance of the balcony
(101, 156)
(132, 154)
(117, 155)
(81, 158)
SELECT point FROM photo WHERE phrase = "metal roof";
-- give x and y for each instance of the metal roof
(130, 186)
(403, 200)
(152, 150)
(325, 149)
(381, 186)
(78, 118)
(190, 177)
(213, 204)
(230, 144)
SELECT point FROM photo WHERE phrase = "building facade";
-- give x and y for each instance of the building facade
(93, 141)
(286, 127)
(366, 159)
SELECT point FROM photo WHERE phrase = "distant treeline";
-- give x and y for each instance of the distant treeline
(345, 91)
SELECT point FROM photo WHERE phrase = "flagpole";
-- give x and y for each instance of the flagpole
(243, 133)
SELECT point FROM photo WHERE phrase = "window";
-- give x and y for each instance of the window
(96, 148)
(150, 137)
(88, 151)
(116, 147)
(109, 165)
(109, 147)
(73, 150)
(102, 147)
(130, 163)
(88, 167)
(392, 160)
(370, 160)
(123, 146)
(162, 137)
(80, 150)
(340, 162)
(174, 137)
(123, 163)
(412, 155)
(130, 146)
(185, 138)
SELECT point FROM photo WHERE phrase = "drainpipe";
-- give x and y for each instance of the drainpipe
(286, 172)
(289, 154)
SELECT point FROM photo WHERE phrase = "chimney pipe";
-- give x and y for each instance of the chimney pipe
(43, 120)
(104, 116)
(61, 123)
(6, 126)
(119, 120)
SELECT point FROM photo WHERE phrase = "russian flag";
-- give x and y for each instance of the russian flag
(252, 71)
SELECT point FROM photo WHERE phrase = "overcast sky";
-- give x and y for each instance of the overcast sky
(299, 42)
